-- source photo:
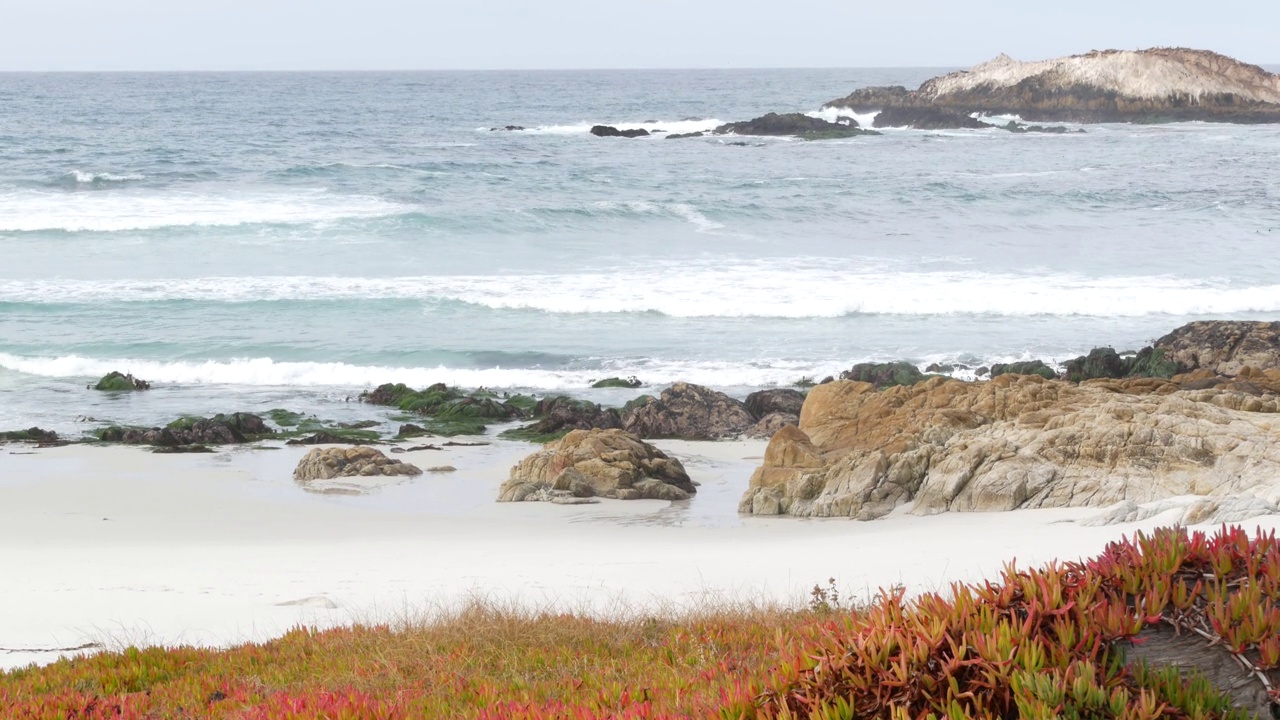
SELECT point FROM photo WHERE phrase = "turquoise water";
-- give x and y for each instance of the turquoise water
(249, 241)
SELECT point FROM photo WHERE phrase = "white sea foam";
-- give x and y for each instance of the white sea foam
(112, 211)
(792, 289)
(683, 211)
(671, 127)
(834, 114)
(265, 372)
(83, 177)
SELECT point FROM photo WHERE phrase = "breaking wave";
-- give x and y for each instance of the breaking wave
(784, 290)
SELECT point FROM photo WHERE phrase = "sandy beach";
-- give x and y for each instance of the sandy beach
(119, 546)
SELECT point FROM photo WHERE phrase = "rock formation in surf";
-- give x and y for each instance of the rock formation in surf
(597, 463)
(217, 430)
(1155, 85)
(1018, 441)
(796, 125)
(118, 381)
(689, 412)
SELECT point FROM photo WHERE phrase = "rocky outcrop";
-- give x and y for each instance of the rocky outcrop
(1017, 441)
(794, 124)
(1029, 367)
(610, 131)
(217, 430)
(121, 382)
(322, 470)
(559, 415)
(689, 412)
(35, 435)
(598, 463)
(775, 400)
(1160, 84)
(883, 375)
(1224, 347)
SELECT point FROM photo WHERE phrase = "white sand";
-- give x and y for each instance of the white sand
(118, 545)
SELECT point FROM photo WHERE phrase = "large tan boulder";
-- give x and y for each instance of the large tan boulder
(1222, 346)
(335, 470)
(598, 463)
(1017, 441)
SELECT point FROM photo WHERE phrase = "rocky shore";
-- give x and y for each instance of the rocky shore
(1189, 424)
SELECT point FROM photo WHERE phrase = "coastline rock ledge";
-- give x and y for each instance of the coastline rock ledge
(1018, 441)
(1154, 85)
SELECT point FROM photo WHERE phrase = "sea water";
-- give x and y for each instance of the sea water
(251, 241)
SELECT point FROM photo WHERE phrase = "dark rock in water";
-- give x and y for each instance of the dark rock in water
(508, 128)
(981, 371)
(617, 382)
(1018, 128)
(940, 368)
(217, 430)
(884, 375)
(117, 381)
(689, 412)
(680, 136)
(1030, 367)
(775, 400)
(610, 131)
(1099, 363)
(560, 415)
(34, 434)
(793, 124)
(411, 431)
(325, 438)
(179, 449)
(927, 118)
(1155, 85)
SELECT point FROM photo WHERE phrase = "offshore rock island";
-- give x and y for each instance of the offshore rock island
(1145, 86)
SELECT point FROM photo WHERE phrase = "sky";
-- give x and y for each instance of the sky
(43, 35)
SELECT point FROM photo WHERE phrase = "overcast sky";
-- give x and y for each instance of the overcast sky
(499, 34)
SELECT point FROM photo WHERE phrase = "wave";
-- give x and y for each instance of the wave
(30, 211)
(88, 178)
(266, 372)
(675, 126)
(833, 114)
(775, 289)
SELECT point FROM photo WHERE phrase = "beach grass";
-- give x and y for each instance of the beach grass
(1041, 643)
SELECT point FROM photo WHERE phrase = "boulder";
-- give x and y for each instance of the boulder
(121, 382)
(558, 415)
(689, 412)
(927, 118)
(794, 124)
(1029, 367)
(610, 131)
(1107, 363)
(884, 375)
(323, 469)
(1224, 347)
(1017, 441)
(681, 136)
(35, 435)
(598, 463)
(775, 400)
(770, 424)
(217, 430)
(616, 382)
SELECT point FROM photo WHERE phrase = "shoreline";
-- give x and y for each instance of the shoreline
(223, 548)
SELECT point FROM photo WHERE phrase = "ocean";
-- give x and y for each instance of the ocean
(254, 241)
